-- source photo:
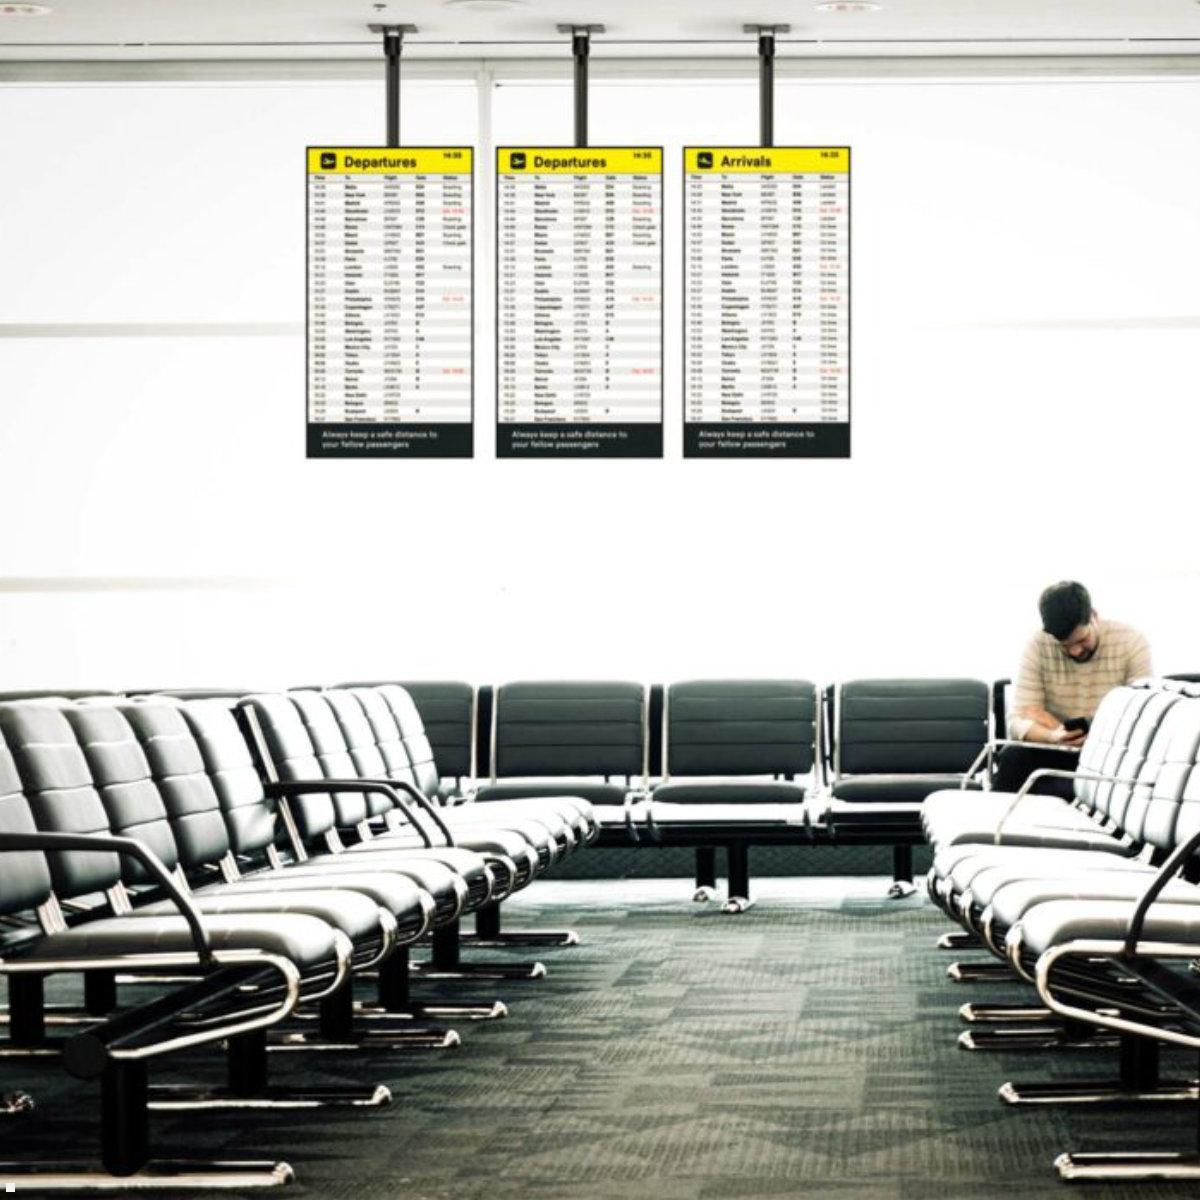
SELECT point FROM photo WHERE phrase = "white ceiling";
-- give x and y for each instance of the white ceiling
(219, 29)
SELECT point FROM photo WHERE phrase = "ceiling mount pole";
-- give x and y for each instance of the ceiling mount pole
(393, 43)
(581, 49)
(766, 78)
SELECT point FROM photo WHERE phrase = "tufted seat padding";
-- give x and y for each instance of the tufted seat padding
(355, 915)
(730, 793)
(728, 821)
(289, 724)
(400, 734)
(1061, 921)
(1117, 746)
(308, 942)
(386, 725)
(893, 789)
(1013, 898)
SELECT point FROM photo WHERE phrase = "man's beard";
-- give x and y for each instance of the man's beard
(1086, 657)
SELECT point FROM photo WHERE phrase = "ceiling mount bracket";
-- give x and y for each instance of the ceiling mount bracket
(766, 78)
(581, 48)
(393, 43)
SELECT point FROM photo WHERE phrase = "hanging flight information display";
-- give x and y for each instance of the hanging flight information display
(767, 302)
(390, 319)
(579, 294)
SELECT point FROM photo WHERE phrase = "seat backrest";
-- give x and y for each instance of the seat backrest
(447, 712)
(251, 818)
(569, 729)
(389, 738)
(61, 794)
(362, 756)
(909, 726)
(1123, 754)
(24, 874)
(291, 756)
(417, 746)
(1152, 812)
(741, 727)
(124, 782)
(183, 780)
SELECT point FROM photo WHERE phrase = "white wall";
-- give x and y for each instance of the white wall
(1024, 320)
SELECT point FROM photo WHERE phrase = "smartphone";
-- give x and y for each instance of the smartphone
(1082, 724)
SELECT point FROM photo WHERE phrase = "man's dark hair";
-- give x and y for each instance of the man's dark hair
(1064, 607)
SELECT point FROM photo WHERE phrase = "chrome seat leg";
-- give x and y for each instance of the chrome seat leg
(488, 933)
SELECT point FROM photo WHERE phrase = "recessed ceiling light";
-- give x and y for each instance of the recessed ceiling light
(24, 10)
(848, 6)
(484, 6)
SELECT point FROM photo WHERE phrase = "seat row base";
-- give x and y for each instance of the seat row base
(169, 1175)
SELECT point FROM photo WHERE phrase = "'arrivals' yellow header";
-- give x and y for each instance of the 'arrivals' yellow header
(377, 160)
(783, 160)
(588, 160)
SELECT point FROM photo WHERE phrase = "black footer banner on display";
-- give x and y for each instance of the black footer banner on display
(579, 441)
(816, 440)
(390, 441)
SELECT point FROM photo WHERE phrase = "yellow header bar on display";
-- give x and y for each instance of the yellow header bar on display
(377, 160)
(590, 160)
(782, 160)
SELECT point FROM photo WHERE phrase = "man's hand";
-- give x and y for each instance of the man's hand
(1065, 737)
(1049, 730)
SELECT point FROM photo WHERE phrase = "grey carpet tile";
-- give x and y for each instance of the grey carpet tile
(803, 1049)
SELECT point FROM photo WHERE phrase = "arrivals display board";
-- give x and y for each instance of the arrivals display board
(390, 314)
(579, 294)
(766, 301)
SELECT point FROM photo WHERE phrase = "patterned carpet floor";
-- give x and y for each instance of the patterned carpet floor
(806, 1048)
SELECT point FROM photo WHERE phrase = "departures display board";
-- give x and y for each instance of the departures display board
(766, 302)
(579, 295)
(390, 309)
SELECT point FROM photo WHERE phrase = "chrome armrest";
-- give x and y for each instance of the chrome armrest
(995, 744)
(1117, 1021)
(307, 787)
(129, 848)
(1055, 773)
(400, 787)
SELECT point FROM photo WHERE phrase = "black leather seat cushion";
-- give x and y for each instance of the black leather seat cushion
(356, 916)
(306, 941)
(594, 791)
(894, 789)
(738, 791)
(731, 819)
(1060, 921)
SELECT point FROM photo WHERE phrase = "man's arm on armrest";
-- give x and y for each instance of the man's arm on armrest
(1030, 720)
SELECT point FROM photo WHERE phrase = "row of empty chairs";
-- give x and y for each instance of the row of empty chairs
(229, 872)
(714, 765)
(1092, 902)
(723, 764)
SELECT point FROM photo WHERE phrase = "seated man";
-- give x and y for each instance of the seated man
(1064, 674)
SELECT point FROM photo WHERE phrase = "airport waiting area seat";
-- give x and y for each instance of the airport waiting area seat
(892, 742)
(583, 739)
(144, 843)
(1093, 901)
(738, 756)
(235, 875)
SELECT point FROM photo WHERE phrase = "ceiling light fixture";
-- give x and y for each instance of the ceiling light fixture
(24, 10)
